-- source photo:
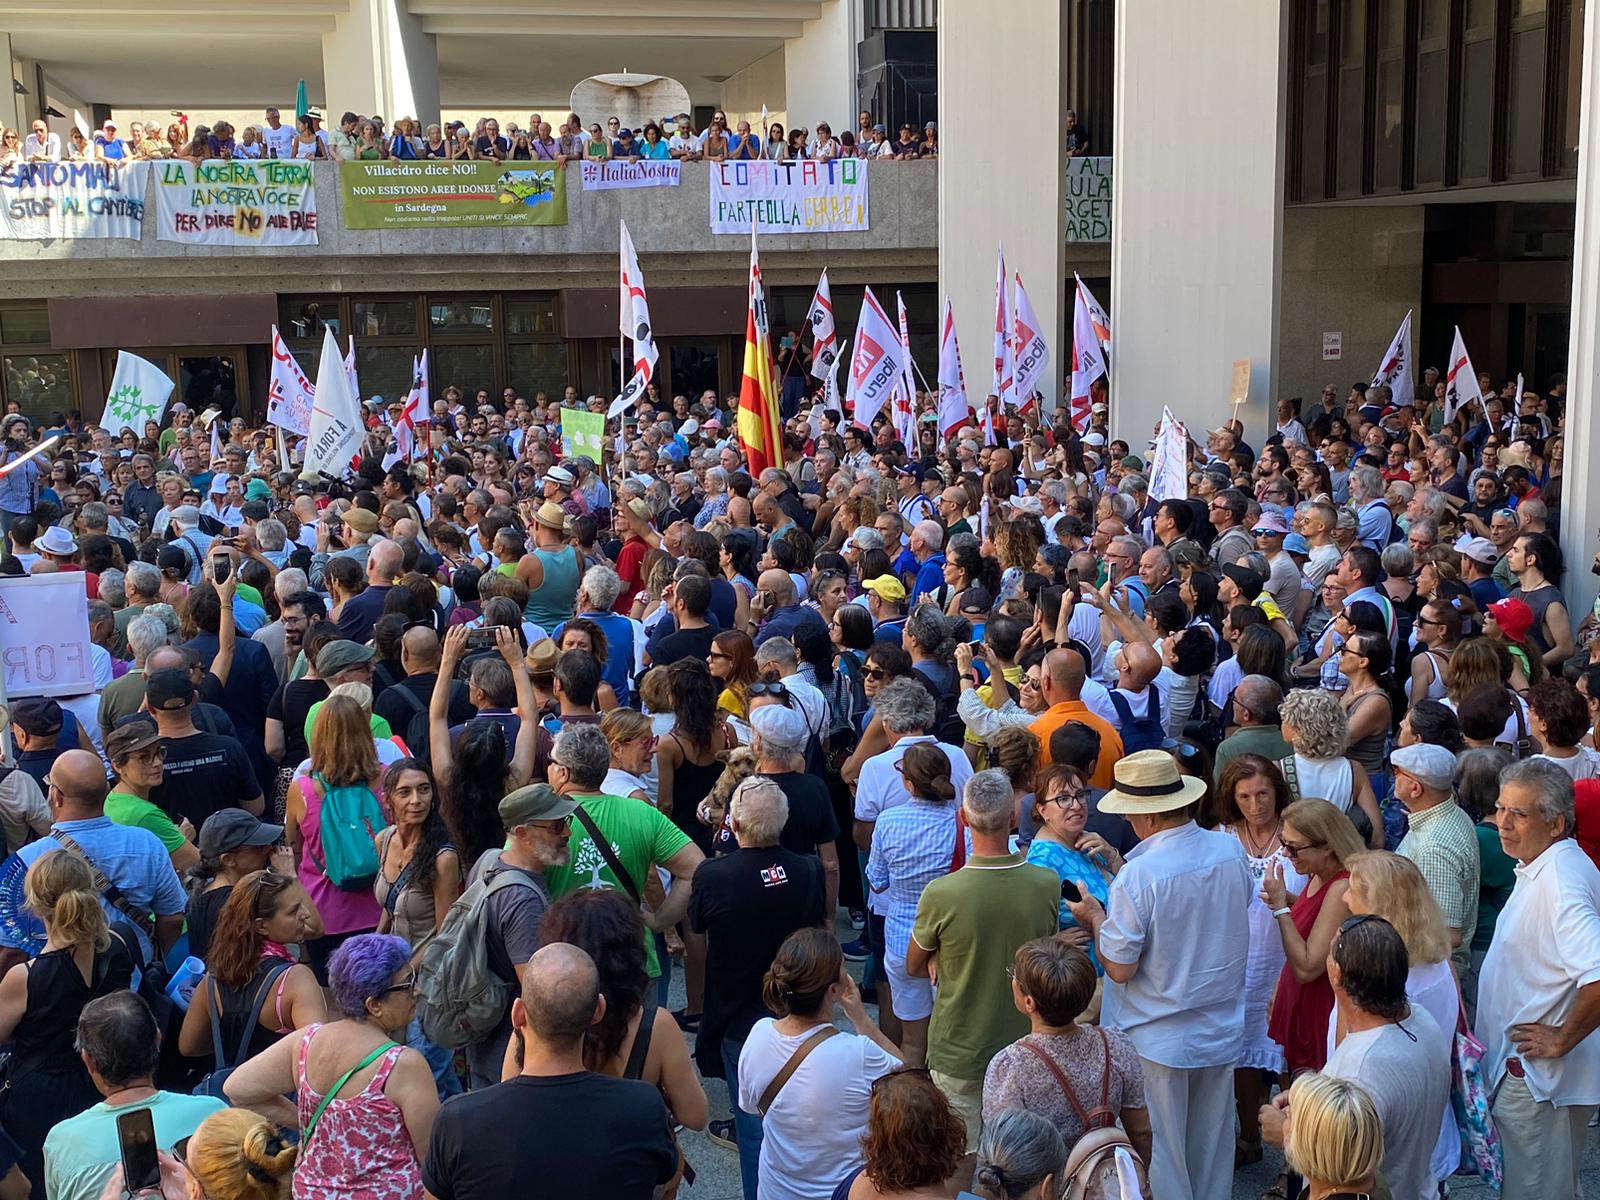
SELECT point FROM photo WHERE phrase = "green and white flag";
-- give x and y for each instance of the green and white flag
(582, 433)
(139, 393)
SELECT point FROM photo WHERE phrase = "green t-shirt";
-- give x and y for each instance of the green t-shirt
(642, 836)
(975, 919)
(124, 809)
(380, 727)
(245, 592)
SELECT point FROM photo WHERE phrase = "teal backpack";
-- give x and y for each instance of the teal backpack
(351, 819)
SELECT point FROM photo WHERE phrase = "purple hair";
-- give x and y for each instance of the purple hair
(362, 968)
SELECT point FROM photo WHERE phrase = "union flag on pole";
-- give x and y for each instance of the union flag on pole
(1031, 350)
(954, 412)
(1004, 360)
(1088, 361)
(633, 322)
(1395, 370)
(1097, 315)
(760, 430)
(874, 362)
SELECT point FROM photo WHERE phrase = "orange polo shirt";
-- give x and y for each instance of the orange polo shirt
(1076, 710)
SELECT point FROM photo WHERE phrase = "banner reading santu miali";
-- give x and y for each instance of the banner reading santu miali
(789, 197)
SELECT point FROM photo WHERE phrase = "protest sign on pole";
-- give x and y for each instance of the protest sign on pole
(139, 392)
(44, 635)
(617, 174)
(789, 197)
(289, 393)
(582, 433)
(72, 200)
(336, 427)
(236, 202)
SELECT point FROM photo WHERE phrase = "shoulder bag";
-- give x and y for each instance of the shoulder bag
(802, 1052)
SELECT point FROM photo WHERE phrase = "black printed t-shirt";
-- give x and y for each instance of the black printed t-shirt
(204, 773)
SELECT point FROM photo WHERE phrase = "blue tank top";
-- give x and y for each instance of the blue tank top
(554, 601)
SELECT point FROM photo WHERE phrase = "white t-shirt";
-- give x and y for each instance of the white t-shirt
(280, 140)
(820, 1115)
(1319, 563)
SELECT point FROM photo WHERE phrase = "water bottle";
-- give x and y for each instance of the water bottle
(180, 988)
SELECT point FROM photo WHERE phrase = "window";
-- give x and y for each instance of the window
(467, 367)
(40, 383)
(1314, 103)
(383, 370)
(531, 315)
(307, 316)
(463, 315)
(384, 318)
(536, 367)
(1350, 150)
(25, 326)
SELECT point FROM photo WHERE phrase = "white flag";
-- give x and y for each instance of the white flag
(403, 447)
(289, 393)
(1088, 360)
(634, 324)
(1097, 315)
(336, 428)
(1394, 372)
(139, 393)
(349, 372)
(830, 386)
(954, 410)
(1031, 350)
(874, 362)
(216, 438)
(825, 350)
(1461, 381)
(905, 404)
(1169, 470)
(1004, 361)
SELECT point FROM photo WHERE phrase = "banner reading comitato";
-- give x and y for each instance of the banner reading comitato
(647, 173)
(408, 195)
(71, 200)
(236, 202)
(789, 197)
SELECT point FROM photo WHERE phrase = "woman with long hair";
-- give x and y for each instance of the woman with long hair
(1016, 545)
(44, 1080)
(1510, 623)
(1369, 704)
(1251, 798)
(805, 981)
(254, 992)
(1477, 789)
(914, 1141)
(1199, 593)
(884, 661)
(364, 1103)
(1314, 724)
(1320, 842)
(419, 871)
(232, 844)
(284, 736)
(1484, 664)
(964, 568)
(343, 756)
(732, 662)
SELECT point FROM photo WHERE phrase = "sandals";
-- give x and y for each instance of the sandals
(1245, 1153)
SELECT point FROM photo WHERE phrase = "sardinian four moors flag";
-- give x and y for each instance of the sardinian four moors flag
(634, 318)
(760, 430)
(954, 412)
(825, 350)
(1395, 370)
(415, 412)
(1461, 381)
(1088, 360)
(1031, 351)
(336, 428)
(874, 362)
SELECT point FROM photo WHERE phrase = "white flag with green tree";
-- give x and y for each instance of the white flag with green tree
(139, 393)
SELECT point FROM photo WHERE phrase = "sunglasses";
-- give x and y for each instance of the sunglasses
(903, 1071)
(1294, 850)
(410, 985)
(781, 691)
(874, 673)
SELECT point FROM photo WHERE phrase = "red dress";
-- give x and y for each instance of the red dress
(1300, 1011)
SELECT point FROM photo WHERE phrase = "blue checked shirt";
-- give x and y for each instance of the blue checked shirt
(912, 845)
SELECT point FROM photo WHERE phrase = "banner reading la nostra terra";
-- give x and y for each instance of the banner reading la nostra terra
(411, 195)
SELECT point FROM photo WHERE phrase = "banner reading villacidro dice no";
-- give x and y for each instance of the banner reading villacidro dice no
(411, 195)
(789, 197)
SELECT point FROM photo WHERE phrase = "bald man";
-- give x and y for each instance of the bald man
(777, 607)
(405, 704)
(1141, 698)
(1062, 678)
(598, 1135)
(361, 612)
(132, 859)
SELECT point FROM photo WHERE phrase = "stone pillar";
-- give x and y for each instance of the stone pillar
(1580, 496)
(1001, 102)
(378, 60)
(14, 109)
(819, 69)
(1197, 210)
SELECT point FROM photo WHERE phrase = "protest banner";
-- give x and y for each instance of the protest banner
(236, 202)
(582, 432)
(44, 635)
(406, 195)
(1089, 199)
(40, 200)
(611, 175)
(139, 393)
(789, 197)
(1169, 467)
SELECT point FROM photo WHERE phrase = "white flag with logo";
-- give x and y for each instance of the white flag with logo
(905, 404)
(139, 393)
(404, 446)
(1394, 372)
(349, 371)
(874, 362)
(336, 428)
(825, 348)
(1088, 361)
(1461, 381)
(1004, 362)
(1031, 350)
(1169, 462)
(1097, 315)
(290, 395)
(633, 318)
(954, 410)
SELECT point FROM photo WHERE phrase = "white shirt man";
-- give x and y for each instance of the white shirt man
(278, 137)
(41, 145)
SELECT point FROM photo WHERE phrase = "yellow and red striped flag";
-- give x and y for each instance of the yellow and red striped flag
(760, 430)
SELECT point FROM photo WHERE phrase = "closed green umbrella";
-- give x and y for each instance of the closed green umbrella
(301, 105)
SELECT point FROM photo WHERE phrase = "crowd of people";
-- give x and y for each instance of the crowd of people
(1167, 833)
(407, 139)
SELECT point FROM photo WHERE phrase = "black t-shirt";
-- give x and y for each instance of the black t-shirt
(291, 704)
(747, 903)
(201, 918)
(410, 720)
(204, 773)
(683, 643)
(591, 1135)
(811, 820)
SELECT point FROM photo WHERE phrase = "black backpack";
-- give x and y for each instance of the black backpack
(1140, 733)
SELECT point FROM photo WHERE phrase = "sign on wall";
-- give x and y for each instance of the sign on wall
(71, 200)
(44, 635)
(409, 195)
(789, 197)
(613, 174)
(1089, 199)
(236, 202)
(1332, 346)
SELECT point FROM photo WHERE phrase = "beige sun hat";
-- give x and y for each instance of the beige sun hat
(1148, 782)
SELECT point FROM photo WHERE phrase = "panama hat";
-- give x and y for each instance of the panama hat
(1148, 782)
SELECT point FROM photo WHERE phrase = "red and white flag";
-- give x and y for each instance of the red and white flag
(954, 411)
(1031, 350)
(1097, 315)
(1088, 361)
(290, 395)
(1004, 360)
(405, 446)
(1394, 372)
(825, 348)
(874, 362)
(634, 324)
(1461, 381)
(905, 402)
(350, 371)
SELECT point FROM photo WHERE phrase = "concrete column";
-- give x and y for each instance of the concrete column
(819, 69)
(1197, 209)
(1008, 183)
(1580, 496)
(378, 60)
(13, 108)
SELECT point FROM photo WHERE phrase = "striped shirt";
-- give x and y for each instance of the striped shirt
(912, 845)
(1444, 845)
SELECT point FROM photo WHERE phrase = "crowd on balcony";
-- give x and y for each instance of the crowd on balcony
(371, 139)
